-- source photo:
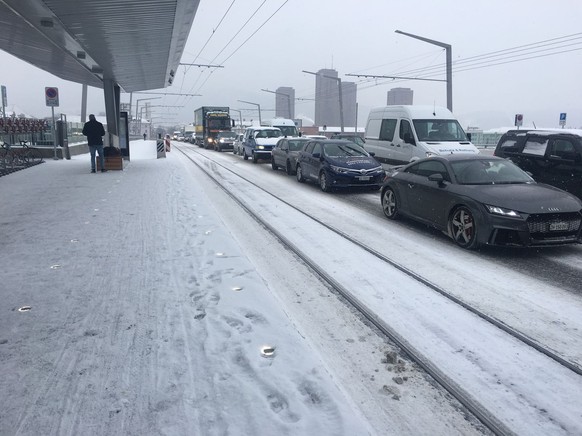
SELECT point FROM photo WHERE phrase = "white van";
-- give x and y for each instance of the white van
(286, 125)
(401, 134)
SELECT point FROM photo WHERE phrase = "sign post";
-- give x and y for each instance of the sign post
(563, 119)
(4, 104)
(518, 120)
(52, 99)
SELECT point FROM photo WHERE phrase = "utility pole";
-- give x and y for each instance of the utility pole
(449, 55)
(256, 104)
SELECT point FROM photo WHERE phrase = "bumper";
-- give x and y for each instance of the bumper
(350, 181)
(531, 231)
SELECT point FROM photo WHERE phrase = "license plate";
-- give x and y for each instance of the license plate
(363, 178)
(559, 226)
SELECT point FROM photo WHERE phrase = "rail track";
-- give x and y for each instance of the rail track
(481, 409)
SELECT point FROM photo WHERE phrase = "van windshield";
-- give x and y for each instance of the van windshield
(439, 130)
(288, 130)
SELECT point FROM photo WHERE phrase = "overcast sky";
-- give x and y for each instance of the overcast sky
(505, 58)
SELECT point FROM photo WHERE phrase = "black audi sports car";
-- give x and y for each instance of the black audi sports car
(478, 199)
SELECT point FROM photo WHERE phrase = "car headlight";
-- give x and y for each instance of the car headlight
(340, 170)
(496, 210)
(261, 147)
(210, 139)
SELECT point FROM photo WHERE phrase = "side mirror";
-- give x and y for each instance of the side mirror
(316, 155)
(469, 136)
(437, 177)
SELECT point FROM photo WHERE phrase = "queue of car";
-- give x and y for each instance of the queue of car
(528, 194)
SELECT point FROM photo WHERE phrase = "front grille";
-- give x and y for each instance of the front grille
(361, 172)
(542, 223)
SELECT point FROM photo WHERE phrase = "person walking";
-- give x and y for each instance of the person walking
(94, 132)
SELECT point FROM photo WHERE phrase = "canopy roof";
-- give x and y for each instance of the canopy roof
(136, 43)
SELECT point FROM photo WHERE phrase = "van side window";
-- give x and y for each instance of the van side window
(535, 146)
(564, 149)
(509, 144)
(406, 131)
(373, 129)
(387, 130)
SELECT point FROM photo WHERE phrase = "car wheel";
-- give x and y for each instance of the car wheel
(390, 204)
(324, 182)
(463, 228)
(288, 168)
(299, 174)
(218, 148)
(245, 155)
(255, 158)
(273, 164)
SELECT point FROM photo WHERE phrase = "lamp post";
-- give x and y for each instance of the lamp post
(341, 104)
(256, 104)
(141, 99)
(284, 95)
(239, 116)
(449, 54)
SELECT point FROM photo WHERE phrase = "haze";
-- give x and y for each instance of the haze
(508, 58)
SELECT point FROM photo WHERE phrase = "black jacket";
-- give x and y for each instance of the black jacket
(94, 132)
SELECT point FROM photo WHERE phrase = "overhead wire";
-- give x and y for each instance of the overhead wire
(241, 45)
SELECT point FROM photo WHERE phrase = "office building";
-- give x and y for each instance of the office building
(400, 96)
(327, 107)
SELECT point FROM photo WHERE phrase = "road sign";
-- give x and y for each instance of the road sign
(518, 119)
(52, 96)
(563, 119)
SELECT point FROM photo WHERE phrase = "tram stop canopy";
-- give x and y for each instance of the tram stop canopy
(136, 44)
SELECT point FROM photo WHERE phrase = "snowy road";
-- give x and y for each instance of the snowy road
(565, 334)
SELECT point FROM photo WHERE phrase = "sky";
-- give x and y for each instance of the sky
(152, 300)
(505, 59)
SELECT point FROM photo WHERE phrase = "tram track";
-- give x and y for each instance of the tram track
(454, 388)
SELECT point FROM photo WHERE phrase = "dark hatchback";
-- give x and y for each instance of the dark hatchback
(338, 164)
(550, 156)
(477, 200)
(284, 154)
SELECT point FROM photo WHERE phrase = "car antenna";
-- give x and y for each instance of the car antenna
(434, 108)
(534, 125)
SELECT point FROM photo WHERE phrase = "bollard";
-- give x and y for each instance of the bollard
(161, 148)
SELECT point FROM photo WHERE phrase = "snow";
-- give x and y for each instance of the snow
(152, 296)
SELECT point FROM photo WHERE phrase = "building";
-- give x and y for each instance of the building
(400, 96)
(285, 102)
(327, 107)
(349, 97)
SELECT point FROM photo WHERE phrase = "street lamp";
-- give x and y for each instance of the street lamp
(285, 95)
(239, 115)
(449, 54)
(341, 104)
(256, 104)
(141, 99)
